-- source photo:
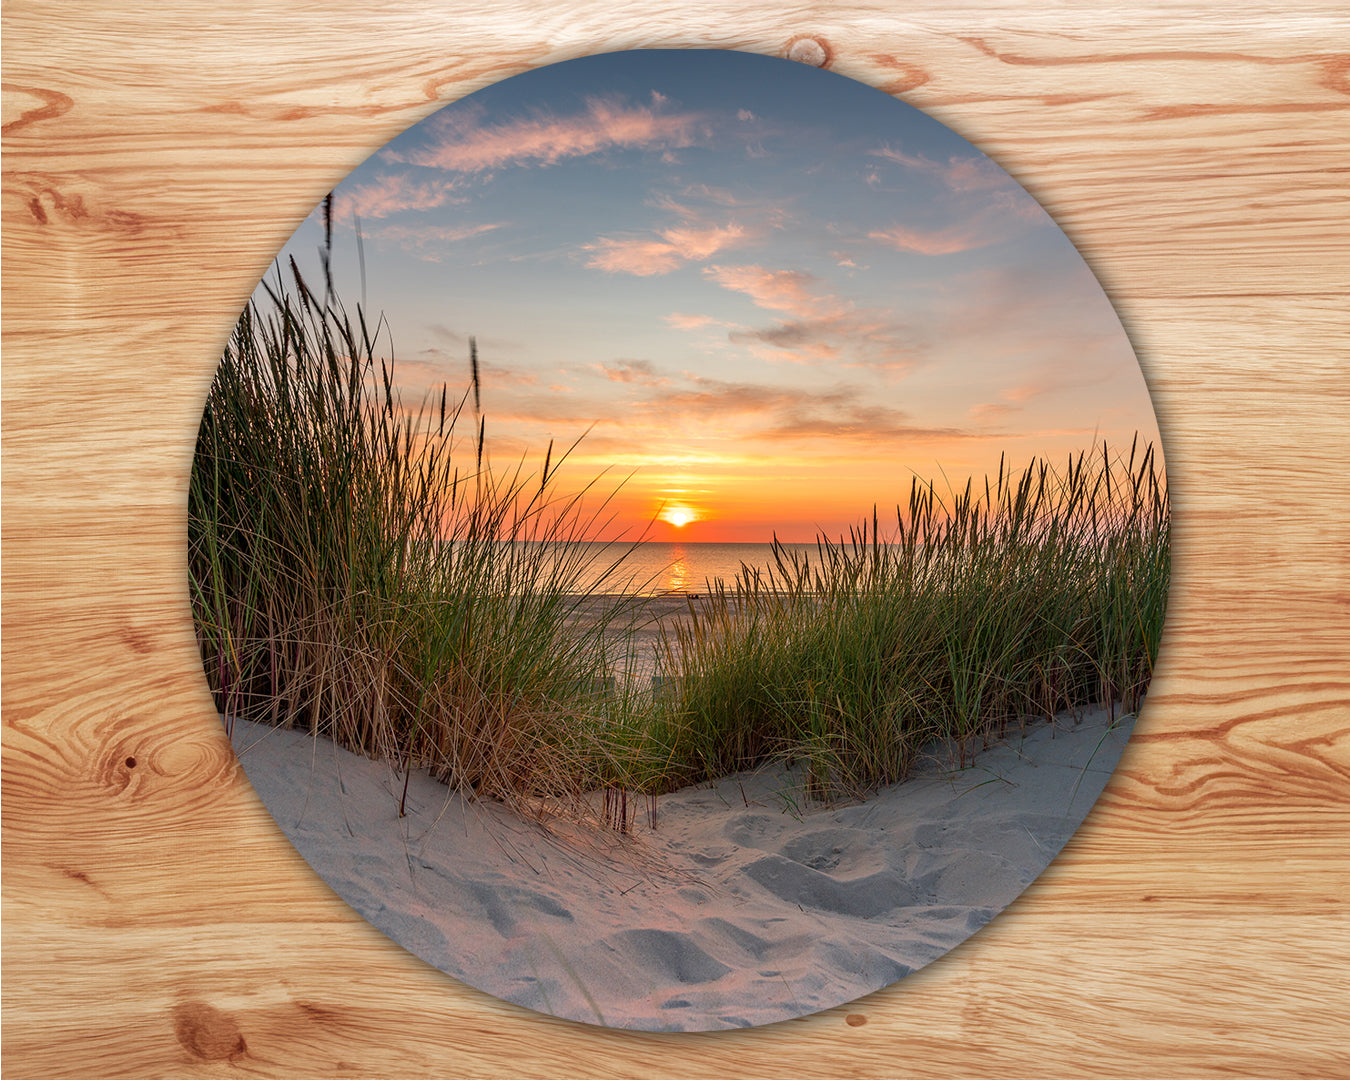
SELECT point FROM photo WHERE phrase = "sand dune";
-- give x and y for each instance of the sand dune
(742, 907)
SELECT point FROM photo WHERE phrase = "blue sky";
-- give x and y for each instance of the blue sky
(770, 294)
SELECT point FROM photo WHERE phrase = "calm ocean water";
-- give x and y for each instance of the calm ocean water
(653, 567)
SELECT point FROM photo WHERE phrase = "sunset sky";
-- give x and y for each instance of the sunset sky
(773, 295)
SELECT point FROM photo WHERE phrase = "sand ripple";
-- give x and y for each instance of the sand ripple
(741, 908)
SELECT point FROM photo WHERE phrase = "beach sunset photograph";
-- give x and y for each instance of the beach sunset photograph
(679, 540)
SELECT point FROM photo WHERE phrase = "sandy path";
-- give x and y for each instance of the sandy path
(742, 907)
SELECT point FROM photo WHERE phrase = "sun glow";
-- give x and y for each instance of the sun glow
(679, 516)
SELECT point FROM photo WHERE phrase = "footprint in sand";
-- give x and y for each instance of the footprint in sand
(759, 830)
(840, 853)
(863, 897)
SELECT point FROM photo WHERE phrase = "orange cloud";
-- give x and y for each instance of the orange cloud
(991, 206)
(839, 412)
(685, 321)
(393, 194)
(545, 139)
(676, 246)
(1004, 216)
(700, 233)
(955, 174)
(778, 290)
(700, 407)
(949, 241)
(821, 327)
(642, 372)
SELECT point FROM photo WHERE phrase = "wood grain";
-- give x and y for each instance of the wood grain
(155, 921)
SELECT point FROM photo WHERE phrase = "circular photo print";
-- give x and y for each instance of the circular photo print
(679, 540)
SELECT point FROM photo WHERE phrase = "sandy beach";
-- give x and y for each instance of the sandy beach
(635, 638)
(742, 907)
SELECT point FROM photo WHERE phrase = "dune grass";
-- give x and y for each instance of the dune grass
(360, 571)
(1038, 592)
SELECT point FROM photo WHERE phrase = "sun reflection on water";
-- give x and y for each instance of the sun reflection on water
(677, 576)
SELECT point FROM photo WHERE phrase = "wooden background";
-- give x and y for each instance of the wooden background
(157, 156)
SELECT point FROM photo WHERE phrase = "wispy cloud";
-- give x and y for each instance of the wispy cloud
(392, 194)
(989, 412)
(544, 138)
(1047, 386)
(682, 320)
(668, 250)
(955, 174)
(430, 241)
(702, 228)
(640, 372)
(719, 196)
(987, 204)
(820, 326)
(965, 236)
(1004, 217)
(780, 413)
(661, 405)
(779, 290)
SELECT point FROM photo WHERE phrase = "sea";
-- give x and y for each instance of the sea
(652, 568)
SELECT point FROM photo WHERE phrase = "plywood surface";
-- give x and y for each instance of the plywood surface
(155, 922)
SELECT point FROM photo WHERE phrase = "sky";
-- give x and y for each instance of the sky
(763, 296)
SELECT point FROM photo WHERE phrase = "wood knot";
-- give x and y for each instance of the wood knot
(806, 49)
(116, 770)
(855, 1019)
(207, 1033)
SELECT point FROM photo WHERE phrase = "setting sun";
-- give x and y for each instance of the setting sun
(765, 296)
